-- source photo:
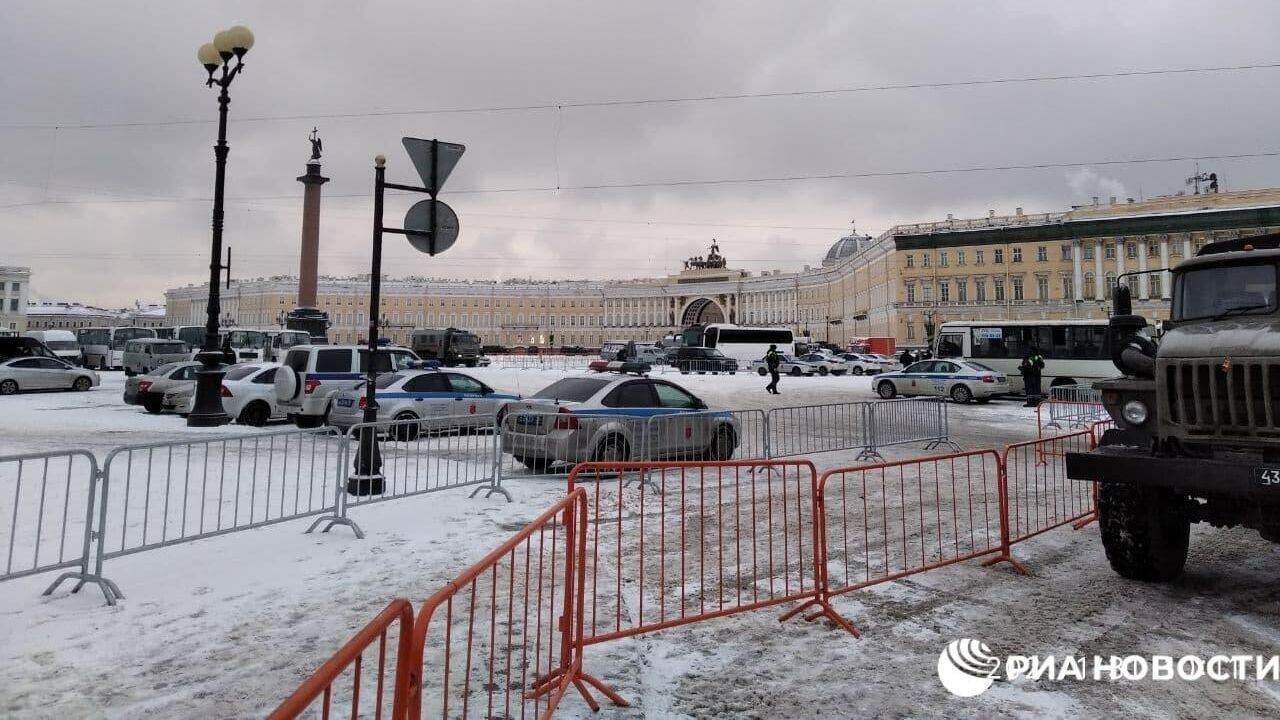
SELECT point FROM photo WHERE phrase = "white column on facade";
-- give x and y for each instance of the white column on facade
(1164, 263)
(1099, 277)
(1144, 281)
(1186, 246)
(1077, 269)
(1122, 248)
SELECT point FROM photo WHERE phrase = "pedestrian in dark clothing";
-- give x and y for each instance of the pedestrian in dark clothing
(906, 358)
(228, 354)
(1031, 367)
(772, 361)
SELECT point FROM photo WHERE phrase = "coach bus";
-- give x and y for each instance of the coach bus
(744, 344)
(1074, 351)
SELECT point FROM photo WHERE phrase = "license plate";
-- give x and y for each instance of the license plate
(344, 402)
(1267, 477)
(526, 419)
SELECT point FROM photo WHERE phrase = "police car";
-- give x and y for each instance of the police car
(962, 381)
(436, 399)
(614, 418)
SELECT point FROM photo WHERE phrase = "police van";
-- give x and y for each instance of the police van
(312, 374)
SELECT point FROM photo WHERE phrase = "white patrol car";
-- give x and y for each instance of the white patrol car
(787, 365)
(826, 364)
(311, 374)
(614, 418)
(422, 400)
(960, 381)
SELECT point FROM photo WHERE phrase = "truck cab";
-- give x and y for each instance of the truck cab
(1197, 413)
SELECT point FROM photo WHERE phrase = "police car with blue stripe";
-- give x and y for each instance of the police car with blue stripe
(614, 418)
(435, 399)
(311, 375)
(962, 381)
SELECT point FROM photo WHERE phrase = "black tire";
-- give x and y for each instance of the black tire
(256, 413)
(796, 372)
(762, 372)
(982, 401)
(961, 394)
(8, 387)
(153, 404)
(822, 370)
(81, 384)
(1145, 531)
(308, 422)
(407, 432)
(722, 445)
(886, 390)
(1062, 381)
(129, 373)
(611, 449)
(857, 370)
(538, 465)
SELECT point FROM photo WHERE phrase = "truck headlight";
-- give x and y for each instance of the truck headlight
(1135, 412)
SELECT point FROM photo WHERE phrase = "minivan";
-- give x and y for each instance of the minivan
(143, 355)
(311, 374)
(61, 342)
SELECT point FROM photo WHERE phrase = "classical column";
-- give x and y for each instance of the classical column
(1164, 263)
(1122, 247)
(1077, 269)
(1144, 281)
(1186, 246)
(1099, 279)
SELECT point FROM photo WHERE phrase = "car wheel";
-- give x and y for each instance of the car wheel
(307, 422)
(886, 390)
(612, 449)
(822, 370)
(8, 387)
(534, 464)
(961, 394)
(153, 405)
(407, 432)
(81, 384)
(722, 445)
(796, 372)
(762, 372)
(256, 414)
(858, 370)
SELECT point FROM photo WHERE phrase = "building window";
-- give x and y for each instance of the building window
(911, 260)
(1088, 251)
(928, 292)
(959, 257)
(911, 292)
(1017, 255)
(1111, 282)
(962, 291)
(1131, 250)
(1066, 252)
(13, 304)
(1153, 249)
(924, 260)
(1068, 287)
(998, 286)
(997, 256)
(1154, 280)
(1017, 288)
(977, 256)
(15, 286)
(1109, 251)
(980, 290)
(911, 331)
(1088, 284)
(944, 292)
(942, 259)
(1042, 254)
(1042, 288)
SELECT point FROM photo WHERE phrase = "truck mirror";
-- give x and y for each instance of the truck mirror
(1121, 301)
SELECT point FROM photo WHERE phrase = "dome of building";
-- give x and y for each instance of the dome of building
(846, 246)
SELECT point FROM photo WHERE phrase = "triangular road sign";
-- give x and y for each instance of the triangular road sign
(420, 153)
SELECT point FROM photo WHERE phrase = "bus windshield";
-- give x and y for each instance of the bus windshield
(192, 335)
(93, 336)
(251, 339)
(120, 336)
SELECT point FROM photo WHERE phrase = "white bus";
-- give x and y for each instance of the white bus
(282, 340)
(250, 345)
(122, 335)
(95, 346)
(744, 344)
(1074, 351)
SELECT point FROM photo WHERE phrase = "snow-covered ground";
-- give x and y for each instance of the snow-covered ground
(228, 626)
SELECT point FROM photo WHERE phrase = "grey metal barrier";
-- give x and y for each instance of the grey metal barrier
(708, 435)
(807, 429)
(541, 362)
(1075, 393)
(47, 503)
(699, 367)
(416, 457)
(168, 493)
(896, 422)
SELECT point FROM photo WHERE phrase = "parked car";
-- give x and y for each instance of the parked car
(788, 366)
(311, 374)
(702, 360)
(44, 373)
(179, 399)
(606, 419)
(825, 364)
(888, 363)
(436, 399)
(860, 364)
(143, 355)
(249, 393)
(148, 390)
(961, 381)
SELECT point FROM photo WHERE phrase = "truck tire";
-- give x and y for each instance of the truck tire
(1145, 531)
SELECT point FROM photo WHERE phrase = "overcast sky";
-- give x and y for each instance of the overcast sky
(109, 215)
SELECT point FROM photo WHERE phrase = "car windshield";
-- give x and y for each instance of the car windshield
(62, 344)
(713, 353)
(980, 366)
(1226, 290)
(572, 389)
(242, 372)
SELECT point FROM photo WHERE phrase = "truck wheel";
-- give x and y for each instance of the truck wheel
(1145, 531)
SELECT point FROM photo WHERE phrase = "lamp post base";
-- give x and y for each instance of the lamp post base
(207, 410)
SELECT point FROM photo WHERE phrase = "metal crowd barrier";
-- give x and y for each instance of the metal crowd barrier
(541, 362)
(1075, 393)
(863, 426)
(1069, 414)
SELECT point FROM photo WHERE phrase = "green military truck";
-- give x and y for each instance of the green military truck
(1197, 412)
(451, 346)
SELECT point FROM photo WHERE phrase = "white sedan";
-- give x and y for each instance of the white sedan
(787, 365)
(44, 373)
(862, 364)
(960, 381)
(436, 399)
(249, 393)
(826, 364)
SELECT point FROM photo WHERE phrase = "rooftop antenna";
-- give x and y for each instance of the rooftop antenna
(1199, 177)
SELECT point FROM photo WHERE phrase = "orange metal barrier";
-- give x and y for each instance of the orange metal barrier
(672, 543)
(320, 686)
(497, 641)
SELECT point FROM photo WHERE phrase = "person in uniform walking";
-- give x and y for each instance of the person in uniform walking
(906, 358)
(772, 361)
(1031, 367)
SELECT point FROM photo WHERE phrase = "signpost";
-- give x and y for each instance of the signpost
(431, 227)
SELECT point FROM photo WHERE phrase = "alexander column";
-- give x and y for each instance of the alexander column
(308, 316)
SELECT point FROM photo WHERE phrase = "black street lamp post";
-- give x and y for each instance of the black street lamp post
(228, 44)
